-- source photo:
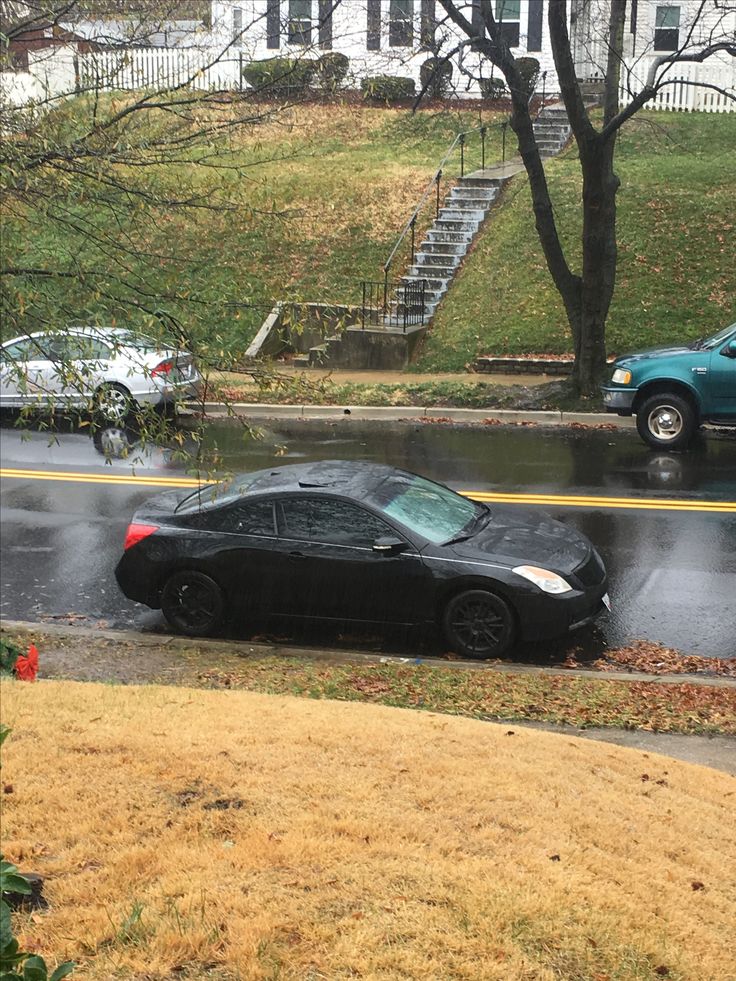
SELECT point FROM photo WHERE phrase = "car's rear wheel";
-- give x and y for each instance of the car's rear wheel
(192, 603)
(113, 402)
(478, 623)
(666, 420)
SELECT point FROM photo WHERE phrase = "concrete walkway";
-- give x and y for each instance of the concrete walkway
(499, 171)
(347, 376)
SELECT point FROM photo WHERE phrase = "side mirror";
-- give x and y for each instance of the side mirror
(388, 545)
(729, 351)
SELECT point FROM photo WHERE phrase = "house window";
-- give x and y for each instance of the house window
(401, 24)
(508, 15)
(237, 25)
(667, 29)
(300, 22)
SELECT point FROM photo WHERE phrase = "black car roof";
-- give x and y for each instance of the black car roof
(353, 478)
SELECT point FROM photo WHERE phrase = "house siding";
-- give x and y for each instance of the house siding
(362, 30)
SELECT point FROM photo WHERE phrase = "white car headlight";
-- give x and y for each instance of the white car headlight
(548, 582)
(621, 376)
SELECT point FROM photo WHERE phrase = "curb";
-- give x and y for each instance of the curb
(349, 657)
(389, 413)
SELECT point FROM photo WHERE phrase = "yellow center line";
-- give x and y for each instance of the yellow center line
(549, 500)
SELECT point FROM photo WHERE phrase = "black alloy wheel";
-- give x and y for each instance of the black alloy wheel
(479, 624)
(192, 603)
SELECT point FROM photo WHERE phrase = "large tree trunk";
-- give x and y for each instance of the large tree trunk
(600, 185)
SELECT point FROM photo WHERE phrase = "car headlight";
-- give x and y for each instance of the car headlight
(621, 376)
(548, 582)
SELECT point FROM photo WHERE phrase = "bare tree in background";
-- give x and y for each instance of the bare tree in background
(587, 293)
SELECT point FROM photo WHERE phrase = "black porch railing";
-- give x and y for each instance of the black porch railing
(393, 305)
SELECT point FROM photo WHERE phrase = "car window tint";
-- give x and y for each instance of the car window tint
(332, 522)
(242, 519)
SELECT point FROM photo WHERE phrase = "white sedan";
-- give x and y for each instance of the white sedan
(112, 371)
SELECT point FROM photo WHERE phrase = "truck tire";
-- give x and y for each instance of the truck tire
(666, 420)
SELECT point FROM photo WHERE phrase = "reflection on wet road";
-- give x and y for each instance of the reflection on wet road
(672, 566)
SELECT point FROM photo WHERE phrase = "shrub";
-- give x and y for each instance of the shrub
(331, 69)
(280, 76)
(436, 74)
(387, 88)
(493, 88)
(529, 71)
(9, 654)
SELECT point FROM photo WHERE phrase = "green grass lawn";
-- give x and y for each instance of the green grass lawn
(312, 202)
(676, 275)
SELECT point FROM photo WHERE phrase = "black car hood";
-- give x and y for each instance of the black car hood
(514, 538)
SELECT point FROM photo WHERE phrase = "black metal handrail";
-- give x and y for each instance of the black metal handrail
(393, 305)
(435, 181)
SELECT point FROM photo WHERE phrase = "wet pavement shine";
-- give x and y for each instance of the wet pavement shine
(669, 551)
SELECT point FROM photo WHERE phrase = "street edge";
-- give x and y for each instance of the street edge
(355, 657)
(548, 417)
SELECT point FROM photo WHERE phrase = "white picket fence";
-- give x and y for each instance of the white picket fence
(64, 72)
(687, 91)
(143, 68)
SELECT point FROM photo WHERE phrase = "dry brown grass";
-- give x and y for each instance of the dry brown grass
(259, 836)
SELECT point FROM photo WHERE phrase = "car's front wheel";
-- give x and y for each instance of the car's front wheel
(192, 603)
(666, 420)
(478, 623)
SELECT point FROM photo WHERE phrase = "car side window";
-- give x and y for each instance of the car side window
(86, 349)
(241, 519)
(331, 522)
(29, 349)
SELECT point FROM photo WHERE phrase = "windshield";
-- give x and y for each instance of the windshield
(433, 511)
(227, 490)
(710, 342)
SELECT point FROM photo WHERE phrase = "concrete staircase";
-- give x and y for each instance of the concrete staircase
(465, 209)
(453, 231)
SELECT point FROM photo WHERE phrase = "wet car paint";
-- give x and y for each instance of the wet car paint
(672, 574)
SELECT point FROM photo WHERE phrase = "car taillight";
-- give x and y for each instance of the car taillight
(163, 367)
(137, 533)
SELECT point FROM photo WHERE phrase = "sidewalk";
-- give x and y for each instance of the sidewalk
(391, 413)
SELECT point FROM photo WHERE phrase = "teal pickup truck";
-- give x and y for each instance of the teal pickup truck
(672, 390)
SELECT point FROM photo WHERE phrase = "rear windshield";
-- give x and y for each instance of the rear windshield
(221, 493)
(138, 341)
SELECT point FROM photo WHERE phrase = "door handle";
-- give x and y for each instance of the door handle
(297, 555)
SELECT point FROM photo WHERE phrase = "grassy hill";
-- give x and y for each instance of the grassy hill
(312, 200)
(676, 274)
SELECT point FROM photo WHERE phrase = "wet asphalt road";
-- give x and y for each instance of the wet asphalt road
(672, 572)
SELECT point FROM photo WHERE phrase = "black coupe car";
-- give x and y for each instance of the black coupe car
(363, 542)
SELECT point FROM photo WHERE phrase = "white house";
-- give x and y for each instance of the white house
(397, 36)
(391, 37)
(380, 36)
